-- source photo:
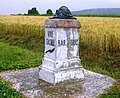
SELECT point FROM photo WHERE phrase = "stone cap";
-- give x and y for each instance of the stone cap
(62, 23)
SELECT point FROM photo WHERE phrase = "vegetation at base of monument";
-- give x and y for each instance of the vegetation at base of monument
(12, 57)
(100, 46)
(103, 63)
(112, 92)
(7, 92)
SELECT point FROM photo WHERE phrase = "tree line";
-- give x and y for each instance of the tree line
(101, 15)
(34, 11)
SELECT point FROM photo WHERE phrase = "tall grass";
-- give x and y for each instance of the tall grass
(26, 32)
(100, 34)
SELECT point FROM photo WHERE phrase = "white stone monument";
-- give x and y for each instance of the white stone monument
(61, 54)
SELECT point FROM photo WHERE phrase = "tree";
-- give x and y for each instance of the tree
(49, 12)
(33, 11)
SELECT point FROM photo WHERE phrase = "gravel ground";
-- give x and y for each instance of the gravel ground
(26, 82)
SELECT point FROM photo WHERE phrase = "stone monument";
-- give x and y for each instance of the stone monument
(61, 59)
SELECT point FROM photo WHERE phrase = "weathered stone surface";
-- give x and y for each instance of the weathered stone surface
(27, 82)
(61, 54)
(61, 75)
(62, 23)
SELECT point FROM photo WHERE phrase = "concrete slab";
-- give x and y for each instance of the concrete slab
(26, 82)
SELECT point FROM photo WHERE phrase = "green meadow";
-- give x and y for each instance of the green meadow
(22, 46)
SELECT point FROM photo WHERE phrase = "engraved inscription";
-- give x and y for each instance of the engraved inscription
(74, 42)
(61, 42)
(50, 42)
(50, 34)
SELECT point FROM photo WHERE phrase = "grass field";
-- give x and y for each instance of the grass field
(101, 34)
(7, 92)
(22, 45)
(12, 57)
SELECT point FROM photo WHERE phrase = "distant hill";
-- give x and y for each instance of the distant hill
(98, 11)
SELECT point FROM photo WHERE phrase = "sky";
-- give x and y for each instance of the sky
(22, 6)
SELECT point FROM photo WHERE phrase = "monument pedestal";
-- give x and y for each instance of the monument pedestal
(61, 55)
(58, 76)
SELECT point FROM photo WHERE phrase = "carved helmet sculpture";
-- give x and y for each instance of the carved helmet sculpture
(64, 13)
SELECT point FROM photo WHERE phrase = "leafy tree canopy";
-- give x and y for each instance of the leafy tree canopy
(49, 12)
(33, 11)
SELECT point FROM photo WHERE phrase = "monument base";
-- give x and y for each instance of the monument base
(61, 75)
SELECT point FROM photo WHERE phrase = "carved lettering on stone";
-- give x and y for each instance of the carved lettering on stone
(61, 42)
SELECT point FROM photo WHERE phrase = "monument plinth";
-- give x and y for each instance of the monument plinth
(61, 55)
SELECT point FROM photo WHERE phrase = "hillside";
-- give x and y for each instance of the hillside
(98, 11)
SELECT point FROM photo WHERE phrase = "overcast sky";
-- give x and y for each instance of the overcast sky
(22, 6)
